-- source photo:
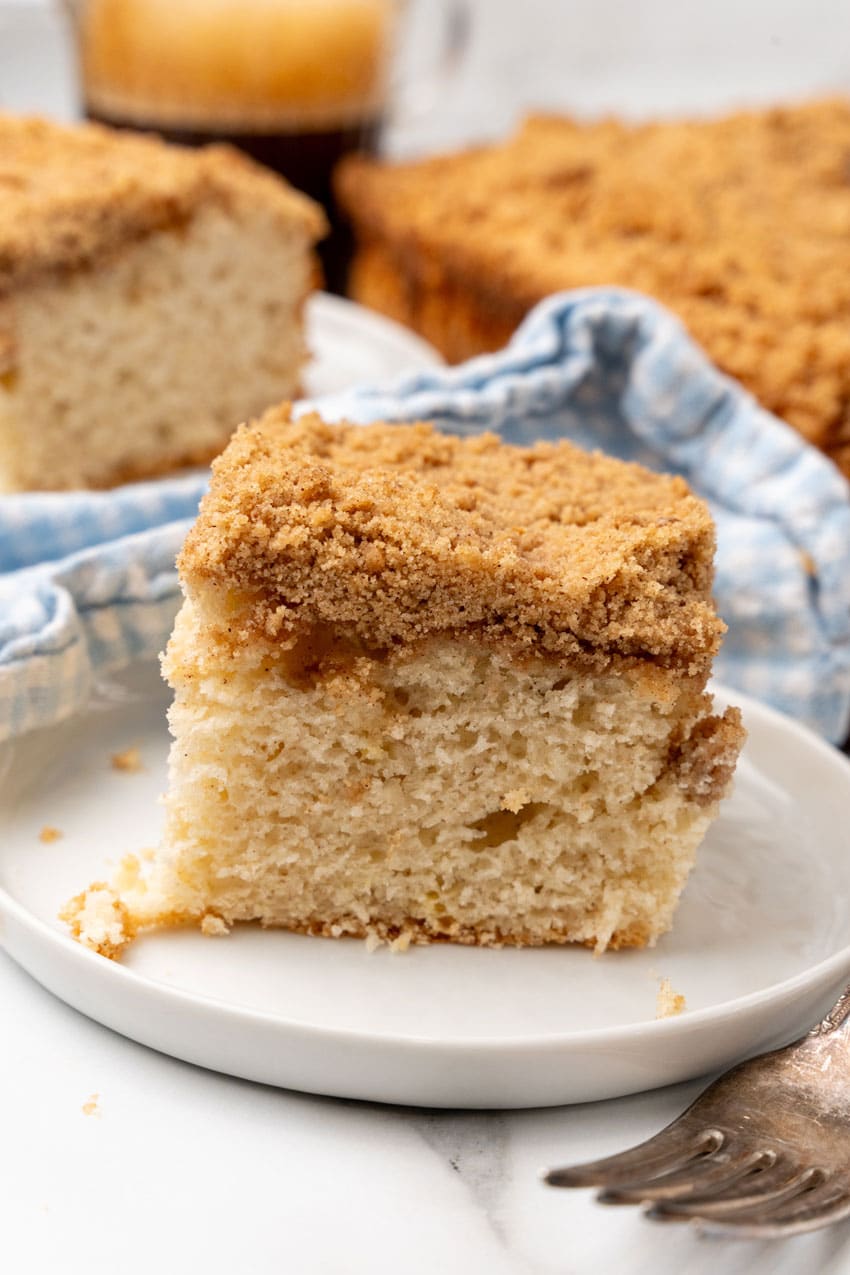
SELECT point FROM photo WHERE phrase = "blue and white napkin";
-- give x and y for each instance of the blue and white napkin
(88, 585)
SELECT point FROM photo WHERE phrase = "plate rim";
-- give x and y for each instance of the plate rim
(321, 306)
(820, 974)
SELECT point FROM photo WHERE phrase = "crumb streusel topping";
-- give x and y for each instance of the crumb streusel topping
(399, 532)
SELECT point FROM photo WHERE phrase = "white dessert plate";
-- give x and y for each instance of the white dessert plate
(758, 949)
(350, 345)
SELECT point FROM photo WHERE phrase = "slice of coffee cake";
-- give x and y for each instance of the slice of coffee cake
(435, 688)
(150, 299)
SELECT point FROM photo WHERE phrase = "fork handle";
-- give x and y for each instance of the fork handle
(836, 1017)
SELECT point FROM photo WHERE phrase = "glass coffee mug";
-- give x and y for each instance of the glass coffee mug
(296, 84)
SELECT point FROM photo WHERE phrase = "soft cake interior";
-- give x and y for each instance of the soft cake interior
(447, 792)
(150, 359)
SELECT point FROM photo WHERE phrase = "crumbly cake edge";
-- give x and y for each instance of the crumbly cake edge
(126, 927)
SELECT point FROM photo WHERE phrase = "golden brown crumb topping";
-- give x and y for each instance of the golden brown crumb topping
(70, 195)
(741, 225)
(397, 532)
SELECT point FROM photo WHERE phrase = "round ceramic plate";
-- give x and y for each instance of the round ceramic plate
(758, 949)
(350, 345)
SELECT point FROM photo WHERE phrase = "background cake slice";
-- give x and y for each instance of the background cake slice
(739, 225)
(150, 299)
(434, 688)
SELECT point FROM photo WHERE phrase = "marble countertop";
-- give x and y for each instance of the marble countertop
(118, 1159)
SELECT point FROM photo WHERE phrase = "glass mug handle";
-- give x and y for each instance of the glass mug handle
(445, 38)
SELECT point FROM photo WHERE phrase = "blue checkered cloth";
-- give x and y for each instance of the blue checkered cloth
(87, 580)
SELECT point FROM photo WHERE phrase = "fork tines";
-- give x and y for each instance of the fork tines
(705, 1178)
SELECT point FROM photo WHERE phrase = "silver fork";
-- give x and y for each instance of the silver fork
(763, 1152)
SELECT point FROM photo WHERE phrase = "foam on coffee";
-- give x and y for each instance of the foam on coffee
(236, 65)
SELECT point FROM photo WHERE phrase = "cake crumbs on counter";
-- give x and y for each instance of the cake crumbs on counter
(49, 833)
(91, 1106)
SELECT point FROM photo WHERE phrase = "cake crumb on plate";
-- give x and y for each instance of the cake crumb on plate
(213, 926)
(667, 1002)
(49, 833)
(99, 920)
(129, 761)
(91, 1106)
